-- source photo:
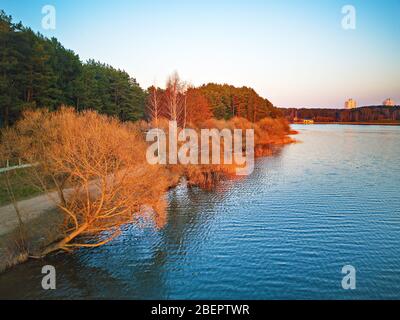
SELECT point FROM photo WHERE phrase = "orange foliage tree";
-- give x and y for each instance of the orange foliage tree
(98, 167)
(198, 107)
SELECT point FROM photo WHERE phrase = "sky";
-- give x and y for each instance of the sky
(296, 53)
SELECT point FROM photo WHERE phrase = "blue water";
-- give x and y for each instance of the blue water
(285, 232)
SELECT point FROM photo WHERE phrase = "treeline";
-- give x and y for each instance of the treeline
(37, 72)
(362, 114)
(189, 105)
(228, 101)
(40, 72)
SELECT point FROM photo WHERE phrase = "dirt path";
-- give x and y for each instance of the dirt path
(30, 209)
(42, 223)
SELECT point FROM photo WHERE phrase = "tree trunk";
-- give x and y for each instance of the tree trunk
(61, 244)
(6, 116)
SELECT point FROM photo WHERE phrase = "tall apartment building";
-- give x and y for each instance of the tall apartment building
(350, 104)
(388, 103)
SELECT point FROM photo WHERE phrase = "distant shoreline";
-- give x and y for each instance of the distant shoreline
(373, 115)
(356, 123)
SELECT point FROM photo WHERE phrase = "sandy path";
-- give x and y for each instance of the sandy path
(30, 210)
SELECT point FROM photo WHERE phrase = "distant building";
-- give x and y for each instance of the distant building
(350, 104)
(388, 103)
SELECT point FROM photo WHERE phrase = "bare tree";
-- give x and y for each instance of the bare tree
(154, 105)
(185, 109)
(154, 111)
(6, 153)
(100, 163)
(175, 98)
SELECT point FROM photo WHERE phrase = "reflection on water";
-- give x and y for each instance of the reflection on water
(284, 232)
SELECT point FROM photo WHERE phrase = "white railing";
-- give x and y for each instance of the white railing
(9, 167)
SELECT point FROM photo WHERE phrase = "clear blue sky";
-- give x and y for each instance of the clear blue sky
(293, 52)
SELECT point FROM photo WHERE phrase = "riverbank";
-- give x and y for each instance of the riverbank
(364, 123)
(43, 223)
(304, 207)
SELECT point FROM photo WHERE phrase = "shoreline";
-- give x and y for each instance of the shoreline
(356, 123)
(42, 225)
(43, 222)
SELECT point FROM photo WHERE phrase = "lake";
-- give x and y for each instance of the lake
(285, 232)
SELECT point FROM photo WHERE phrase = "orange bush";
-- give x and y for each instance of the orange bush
(98, 166)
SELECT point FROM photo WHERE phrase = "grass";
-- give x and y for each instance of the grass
(22, 189)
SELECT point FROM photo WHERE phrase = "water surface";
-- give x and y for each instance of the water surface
(285, 232)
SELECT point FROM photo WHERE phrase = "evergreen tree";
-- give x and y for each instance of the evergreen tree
(38, 72)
